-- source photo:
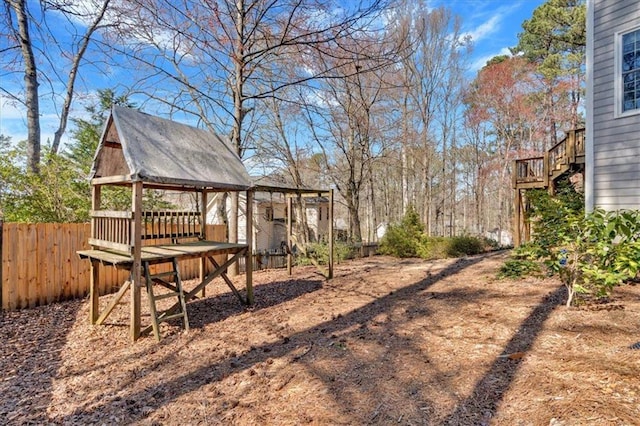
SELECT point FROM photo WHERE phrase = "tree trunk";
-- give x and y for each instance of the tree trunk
(236, 134)
(31, 87)
(73, 73)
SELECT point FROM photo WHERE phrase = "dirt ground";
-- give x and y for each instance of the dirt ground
(388, 341)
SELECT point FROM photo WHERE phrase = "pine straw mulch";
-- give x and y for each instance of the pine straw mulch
(385, 342)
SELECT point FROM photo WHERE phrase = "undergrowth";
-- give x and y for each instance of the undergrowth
(591, 253)
(408, 239)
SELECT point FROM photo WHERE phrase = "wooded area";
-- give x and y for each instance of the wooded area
(40, 264)
(377, 99)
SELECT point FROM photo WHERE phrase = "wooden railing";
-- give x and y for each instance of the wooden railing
(535, 172)
(170, 224)
(113, 229)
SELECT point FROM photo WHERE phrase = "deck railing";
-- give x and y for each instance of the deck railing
(170, 224)
(535, 171)
(113, 229)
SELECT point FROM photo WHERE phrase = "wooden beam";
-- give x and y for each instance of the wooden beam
(289, 235)
(94, 307)
(226, 279)
(136, 268)
(546, 169)
(203, 234)
(1, 257)
(94, 278)
(111, 180)
(249, 254)
(331, 236)
(516, 219)
(94, 242)
(117, 214)
(113, 303)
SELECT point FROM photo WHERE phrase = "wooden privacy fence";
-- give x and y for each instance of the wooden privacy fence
(40, 264)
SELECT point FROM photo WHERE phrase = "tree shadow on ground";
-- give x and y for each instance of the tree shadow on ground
(295, 346)
(213, 309)
(479, 407)
(32, 344)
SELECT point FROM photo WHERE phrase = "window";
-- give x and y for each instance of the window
(627, 95)
(631, 70)
(268, 214)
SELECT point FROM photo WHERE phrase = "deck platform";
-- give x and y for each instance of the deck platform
(163, 253)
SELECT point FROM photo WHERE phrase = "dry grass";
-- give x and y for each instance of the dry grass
(385, 342)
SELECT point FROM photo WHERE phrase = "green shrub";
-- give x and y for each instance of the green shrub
(518, 268)
(590, 253)
(464, 245)
(597, 252)
(405, 238)
(320, 253)
(430, 248)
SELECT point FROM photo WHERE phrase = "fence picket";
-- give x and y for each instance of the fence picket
(40, 265)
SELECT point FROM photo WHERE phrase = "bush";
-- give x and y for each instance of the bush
(598, 252)
(464, 245)
(518, 268)
(405, 238)
(320, 253)
(590, 253)
(431, 248)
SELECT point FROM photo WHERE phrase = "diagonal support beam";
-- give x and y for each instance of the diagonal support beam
(228, 281)
(210, 277)
(113, 302)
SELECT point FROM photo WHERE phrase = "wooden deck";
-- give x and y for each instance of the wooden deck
(542, 171)
(163, 253)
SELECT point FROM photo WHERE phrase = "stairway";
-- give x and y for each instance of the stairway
(176, 291)
(543, 171)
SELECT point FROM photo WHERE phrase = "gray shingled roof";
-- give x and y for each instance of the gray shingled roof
(155, 150)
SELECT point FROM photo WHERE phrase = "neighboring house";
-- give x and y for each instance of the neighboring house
(612, 178)
(270, 219)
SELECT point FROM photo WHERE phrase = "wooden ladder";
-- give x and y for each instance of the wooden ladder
(176, 291)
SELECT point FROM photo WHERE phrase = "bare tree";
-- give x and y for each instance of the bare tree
(432, 78)
(217, 58)
(341, 117)
(40, 53)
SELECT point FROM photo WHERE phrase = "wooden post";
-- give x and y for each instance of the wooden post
(1, 263)
(203, 235)
(136, 267)
(571, 147)
(289, 236)
(249, 258)
(516, 219)
(94, 306)
(526, 225)
(546, 168)
(94, 280)
(330, 234)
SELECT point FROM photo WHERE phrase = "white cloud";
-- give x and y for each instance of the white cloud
(485, 29)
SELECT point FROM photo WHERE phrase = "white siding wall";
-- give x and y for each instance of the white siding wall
(615, 150)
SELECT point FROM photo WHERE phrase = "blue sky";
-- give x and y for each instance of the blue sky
(492, 24)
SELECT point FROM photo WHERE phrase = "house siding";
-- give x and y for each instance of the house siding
(615, 140)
